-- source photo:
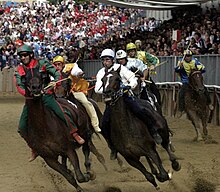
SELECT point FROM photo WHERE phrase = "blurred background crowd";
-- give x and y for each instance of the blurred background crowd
(82, 30)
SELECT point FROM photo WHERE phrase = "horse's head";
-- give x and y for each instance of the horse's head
(196, 81)
(111, 84)
(33, 83)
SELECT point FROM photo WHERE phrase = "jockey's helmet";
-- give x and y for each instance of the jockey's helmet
(121, 54)
(188, 53)
(58, 58)
(24, 48)
(108, 53)
(130, 46)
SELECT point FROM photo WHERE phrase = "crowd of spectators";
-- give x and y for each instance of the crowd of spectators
(84, 30)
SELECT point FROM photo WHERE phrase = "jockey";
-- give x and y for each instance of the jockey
(27, 58)
(183, 68)
(130, 81)
(121, 58)
(134, 51)
(150, 60)
(78, 87)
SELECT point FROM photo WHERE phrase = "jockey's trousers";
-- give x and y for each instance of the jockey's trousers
(81, 97)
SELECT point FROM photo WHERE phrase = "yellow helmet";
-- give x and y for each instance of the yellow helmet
(130, 46)
(58, 58)
(188, 52)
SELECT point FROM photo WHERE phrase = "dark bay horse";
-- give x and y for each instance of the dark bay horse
(196, 106)
(130, 135)
(49, 135)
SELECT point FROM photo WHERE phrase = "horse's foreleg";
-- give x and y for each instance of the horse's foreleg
(204, 126)
(73, 157)
(196, 123)
(134, 162)
(86, 152)
(54, 164)
(175, 164)
(98, 155)
(87, 163)
(163, 175)
(153, 169)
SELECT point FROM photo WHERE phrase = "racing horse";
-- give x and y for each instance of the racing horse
(196, 106)
(50, 137)
(130, 136)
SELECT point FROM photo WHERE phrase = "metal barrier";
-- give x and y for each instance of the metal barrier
(165, 72)
(166, 79)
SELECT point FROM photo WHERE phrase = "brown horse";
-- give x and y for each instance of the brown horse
(49, 135)
(196, 105)
(130, 136)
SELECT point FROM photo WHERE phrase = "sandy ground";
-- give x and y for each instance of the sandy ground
(200, 162)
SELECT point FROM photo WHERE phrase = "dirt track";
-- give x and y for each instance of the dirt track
(200, 162)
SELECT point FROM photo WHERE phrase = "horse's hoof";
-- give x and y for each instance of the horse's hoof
(79, 189)
(92, 175)
(87, 177)
(197, 139)
(176, 166)
(84, 178)
(162, 178)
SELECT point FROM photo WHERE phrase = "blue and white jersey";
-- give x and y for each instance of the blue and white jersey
(133, 62)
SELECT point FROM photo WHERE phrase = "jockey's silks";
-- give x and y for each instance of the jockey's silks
(78, 84)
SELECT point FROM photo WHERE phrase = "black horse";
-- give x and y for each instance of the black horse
(130, 136)
(49, 135)
(196, 105)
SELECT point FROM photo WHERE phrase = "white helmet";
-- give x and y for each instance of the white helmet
(107, 53)
(121, 54)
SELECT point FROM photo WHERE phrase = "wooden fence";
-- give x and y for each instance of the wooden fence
(169, 92)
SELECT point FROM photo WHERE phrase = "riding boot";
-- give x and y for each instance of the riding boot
(79, 139)
(34, 155)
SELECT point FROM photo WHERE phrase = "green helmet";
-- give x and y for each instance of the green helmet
(24, 48)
